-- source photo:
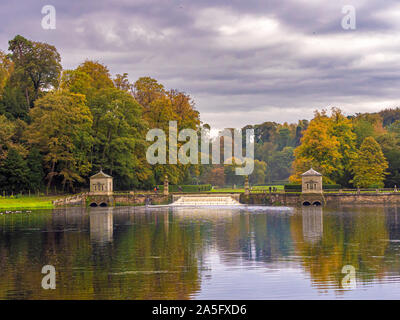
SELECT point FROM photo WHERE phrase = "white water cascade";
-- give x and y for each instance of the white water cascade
(205, 201)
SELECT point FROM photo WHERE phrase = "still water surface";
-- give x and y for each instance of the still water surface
(210, 253)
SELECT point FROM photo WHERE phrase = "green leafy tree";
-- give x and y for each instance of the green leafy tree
(87, 79)
(10, 136)
(36, 172)
(37, 66)
(14, 173)
(367, 125)
(13, 103)
(370, 165)
(284, 138)
(259, 173)
(390, 145)
(119, 136)
(61, 130)
(279, 165)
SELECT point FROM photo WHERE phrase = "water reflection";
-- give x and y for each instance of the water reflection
(183, 253)
(312, 223)
(101, 225)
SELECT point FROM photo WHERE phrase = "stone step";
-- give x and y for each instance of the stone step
(205, 201)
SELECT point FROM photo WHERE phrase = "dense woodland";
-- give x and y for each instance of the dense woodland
(57, 127)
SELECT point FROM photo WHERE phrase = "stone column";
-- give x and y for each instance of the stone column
(246, 186)
(166, 185)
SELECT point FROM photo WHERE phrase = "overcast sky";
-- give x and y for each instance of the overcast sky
(243, 61)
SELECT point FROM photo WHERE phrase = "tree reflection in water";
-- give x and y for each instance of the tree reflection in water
(147, 253)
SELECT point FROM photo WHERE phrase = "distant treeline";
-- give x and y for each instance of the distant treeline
(361, 150)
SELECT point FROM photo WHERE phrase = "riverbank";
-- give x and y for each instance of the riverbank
(33, 202)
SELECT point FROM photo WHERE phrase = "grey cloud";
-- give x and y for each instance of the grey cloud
(236, 75)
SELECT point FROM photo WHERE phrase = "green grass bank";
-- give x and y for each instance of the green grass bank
(23, 202)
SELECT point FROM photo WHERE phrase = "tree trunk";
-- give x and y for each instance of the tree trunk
(27, 97)
(51, 176)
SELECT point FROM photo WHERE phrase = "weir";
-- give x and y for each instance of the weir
(205, 200)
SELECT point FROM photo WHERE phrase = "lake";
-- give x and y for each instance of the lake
(202, 253)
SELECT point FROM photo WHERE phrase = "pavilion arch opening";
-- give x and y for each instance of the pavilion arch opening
(306, 203)
(93, 204)
(316, 203)
(103, 204)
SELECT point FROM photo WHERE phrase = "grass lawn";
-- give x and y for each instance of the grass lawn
(253, 189)
(26, 202)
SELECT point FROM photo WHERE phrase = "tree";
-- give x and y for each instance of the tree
(367, 125)
(121, 82)
(370, 165)
(284, 138)
(389, 116)
(274, 144)
(146, 90)
(328, 145)
(159, 113)
(14, 173)
(12, 100)
(76, 82)
(216, 176)
(184, 107)
(37, 66)
(119, 134)
(159, 107)
(9, 134)
(87, 79)
(99, 74)
(279, 165)
(13, 103)
(318, 149)
(61, 130)
(6, 68)
(36, 173)
(342, 128)
(259, 173)
(390, 145)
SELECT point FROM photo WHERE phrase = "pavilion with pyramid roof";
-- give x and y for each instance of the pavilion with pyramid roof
(311, 182)
(101, 184)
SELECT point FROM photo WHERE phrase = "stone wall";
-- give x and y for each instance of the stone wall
(293, 199)
(124, 200)
(366, 198)
(271, 199)
(76, 200)
(140, 199)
